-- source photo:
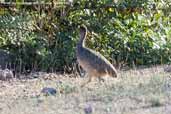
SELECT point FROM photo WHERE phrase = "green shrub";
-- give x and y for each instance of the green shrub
(126, 32)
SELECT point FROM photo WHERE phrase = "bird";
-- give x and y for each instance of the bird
(94, 63)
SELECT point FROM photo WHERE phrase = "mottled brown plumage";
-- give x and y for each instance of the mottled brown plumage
(95, 64)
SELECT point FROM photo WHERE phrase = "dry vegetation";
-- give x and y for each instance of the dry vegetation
(144, 91)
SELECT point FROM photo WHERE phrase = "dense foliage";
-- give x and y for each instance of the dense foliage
(127, 32)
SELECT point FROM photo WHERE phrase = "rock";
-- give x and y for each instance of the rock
(6, 74)
(88, 109)
(48, 91)
(167, 69)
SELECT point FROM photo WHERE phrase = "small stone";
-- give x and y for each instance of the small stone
(167, 69)
(59, 82)
(88, 109)
(49, 91)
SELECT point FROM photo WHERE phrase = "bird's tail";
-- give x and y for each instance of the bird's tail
(113, 72)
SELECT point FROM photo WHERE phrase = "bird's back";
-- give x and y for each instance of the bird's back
(91, 61)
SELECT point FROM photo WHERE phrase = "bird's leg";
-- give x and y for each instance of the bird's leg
(88, 81)
(79, 70)
(101, 79)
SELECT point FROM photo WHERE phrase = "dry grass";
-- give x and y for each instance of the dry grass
(145, 91)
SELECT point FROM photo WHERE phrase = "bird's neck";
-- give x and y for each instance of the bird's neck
(81, 42)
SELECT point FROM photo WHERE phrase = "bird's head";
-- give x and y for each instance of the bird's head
(83, 29)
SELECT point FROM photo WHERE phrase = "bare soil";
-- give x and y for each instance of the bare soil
(143, 91)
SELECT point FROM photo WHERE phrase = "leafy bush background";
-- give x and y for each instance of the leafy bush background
(127, 32)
